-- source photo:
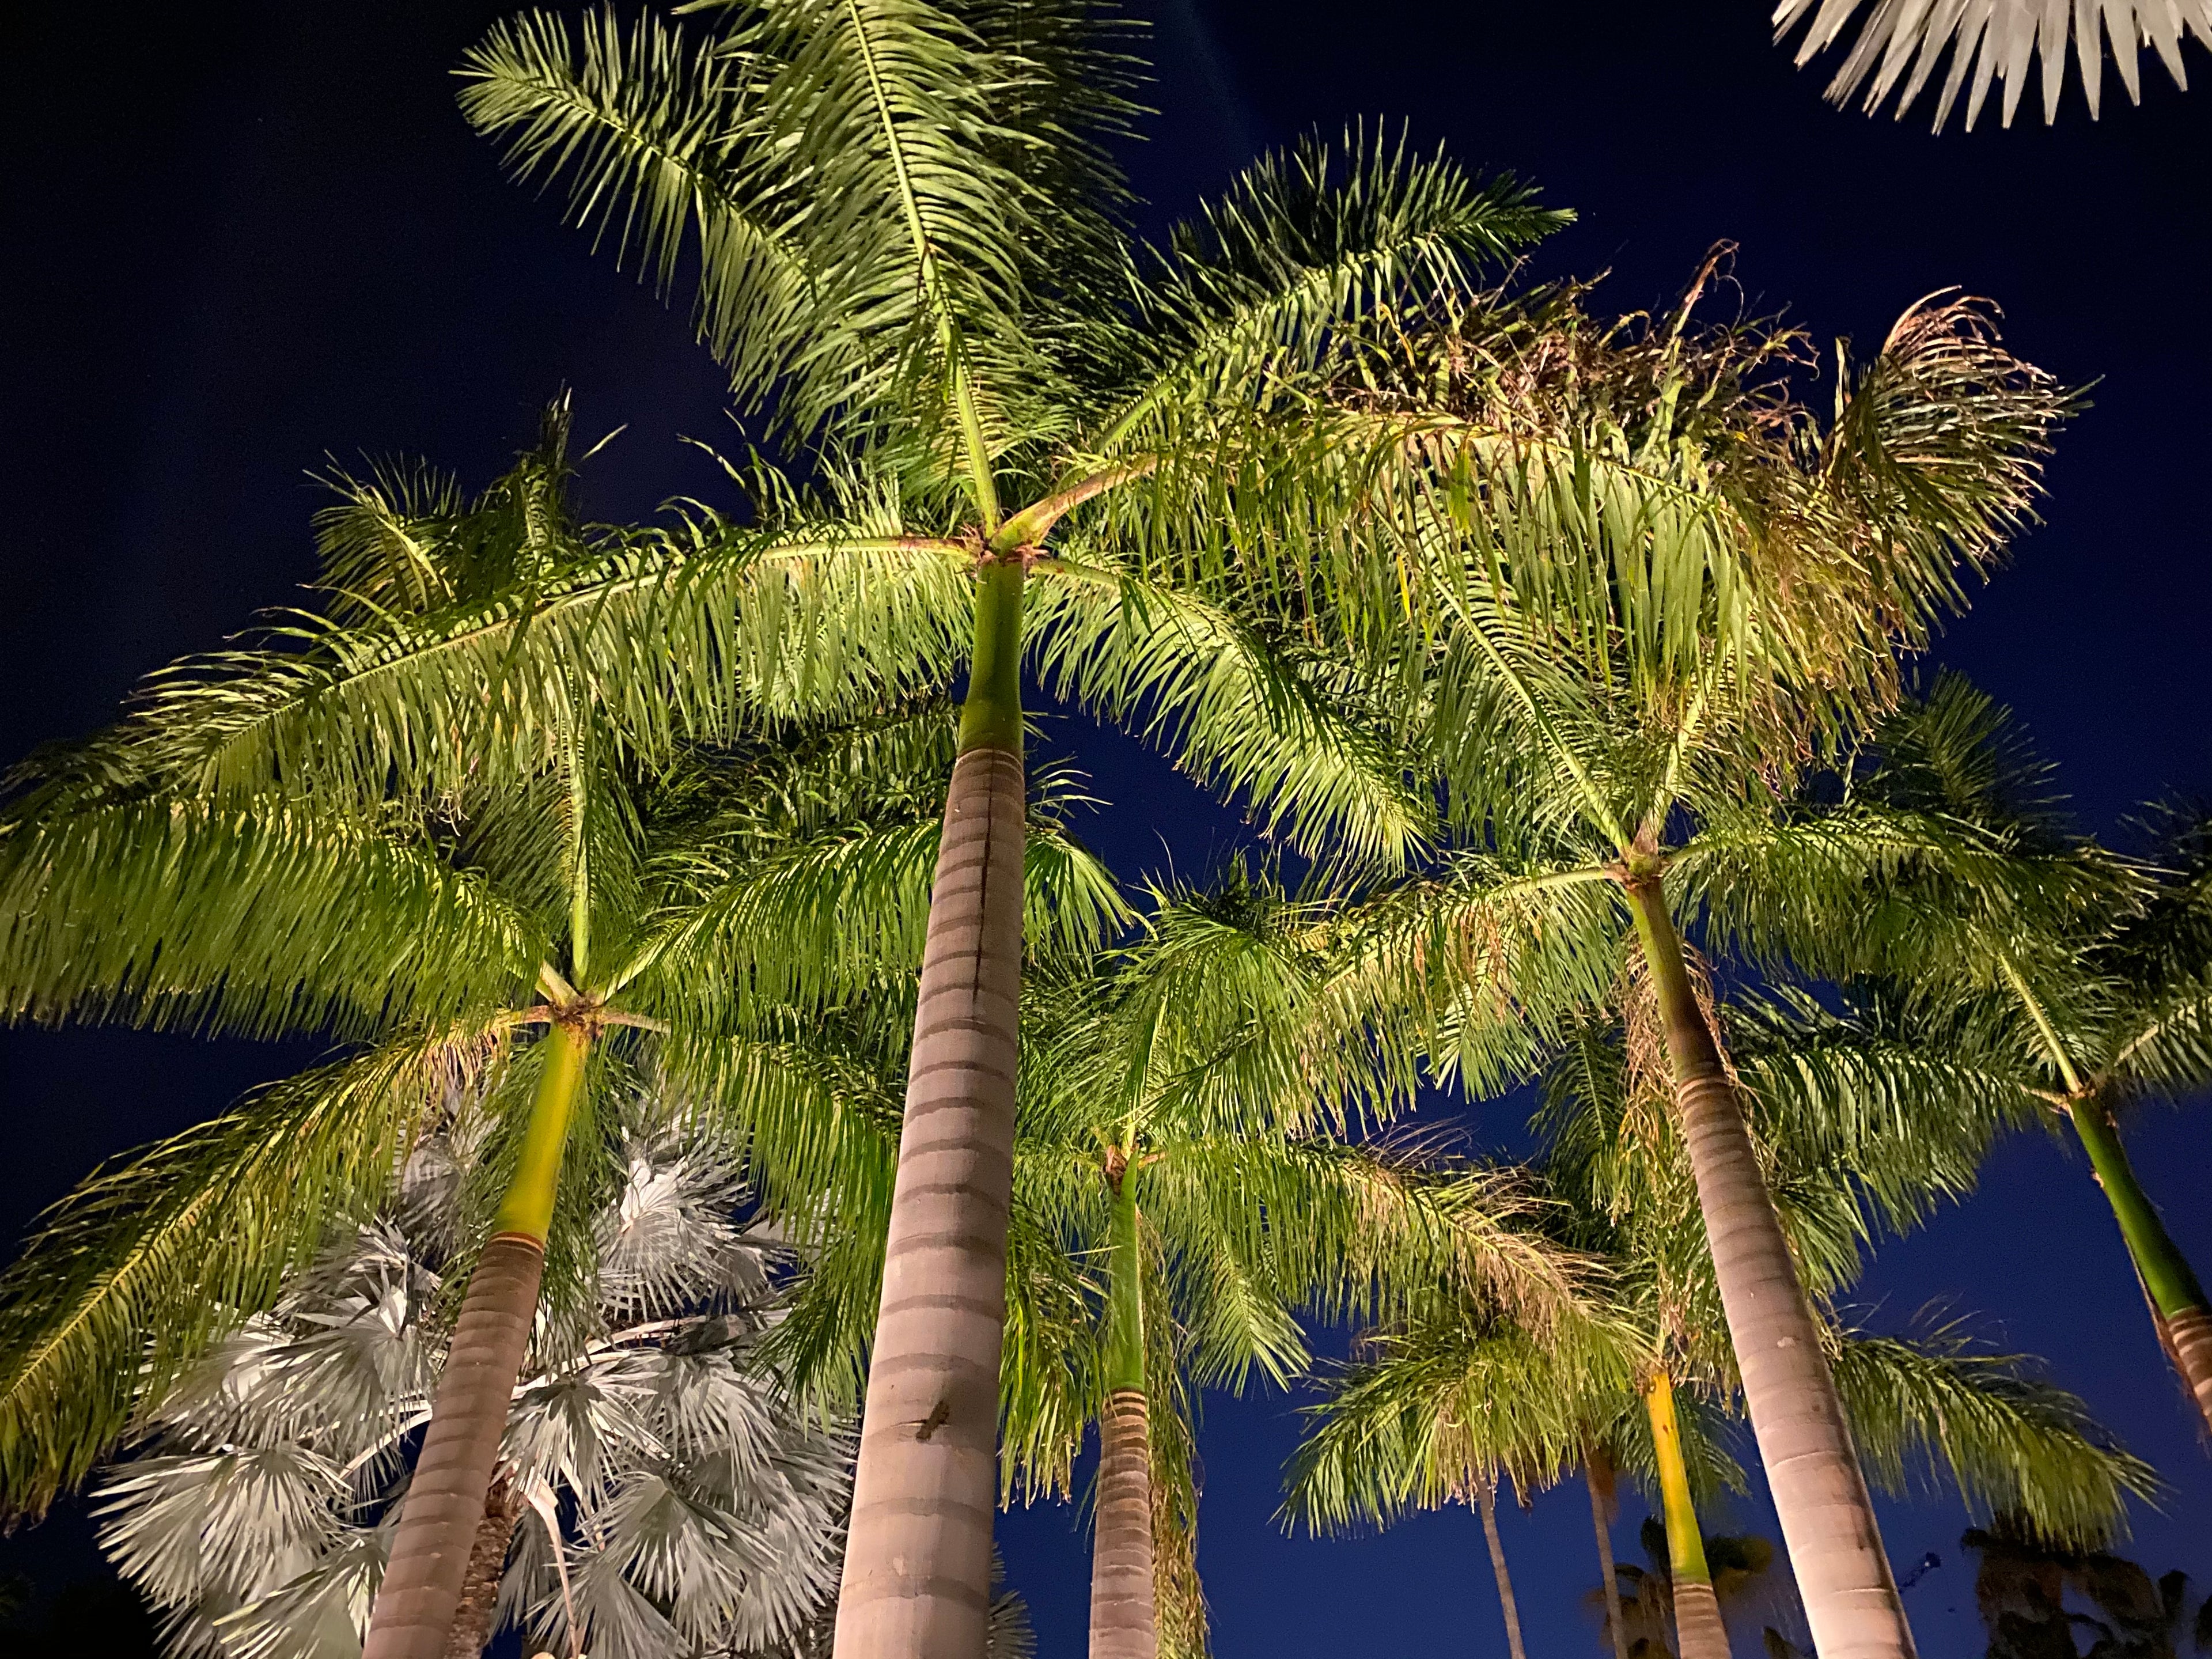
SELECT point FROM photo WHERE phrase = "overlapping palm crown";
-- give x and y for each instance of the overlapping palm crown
(1436, 576)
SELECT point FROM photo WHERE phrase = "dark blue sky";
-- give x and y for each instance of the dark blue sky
(243, 236)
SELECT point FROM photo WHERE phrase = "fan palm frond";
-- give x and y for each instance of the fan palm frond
(1989, 40)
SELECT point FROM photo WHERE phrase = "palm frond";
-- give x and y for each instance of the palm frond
(129, 1278)
(2011, 1441)
(263, 915)
(698, 633)
(1307, 242)
(1239, 711)
(1993, 41)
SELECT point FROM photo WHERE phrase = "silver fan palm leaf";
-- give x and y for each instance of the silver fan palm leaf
(1901, 41)
(663, 1497)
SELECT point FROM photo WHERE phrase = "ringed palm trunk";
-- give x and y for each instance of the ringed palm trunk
(2177, 1299)
(1486, 1497)
(917, 1577)
(1819, 1492)
(471, 1628)
(1124, 1621)
(1698, 1631)
(444, 1509)
(1599, 1503)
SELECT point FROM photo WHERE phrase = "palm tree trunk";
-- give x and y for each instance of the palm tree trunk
(471, 1629)
(1124, 1622)
(1698, 1631)
(1486, 1497)
(917, 1579)
(2177, 1299)
(1819, 1492)
(444, 1507)
(1604, 1526)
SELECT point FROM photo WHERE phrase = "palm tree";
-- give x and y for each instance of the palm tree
(439, 933)
(1180, 1197)
(1724, 588)
(906, 225)
(2073, 987)
(1447, 1400)
(1991, 39)
(1739, 1574)
(670, 1498)
(1199, 1086)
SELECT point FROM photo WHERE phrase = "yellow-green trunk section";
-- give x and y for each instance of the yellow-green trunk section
(1686, 1546)
(2167, 1277)
(991, 718)
(1125, 1289)
(527, 1209)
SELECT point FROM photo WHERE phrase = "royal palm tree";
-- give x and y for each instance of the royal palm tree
(1184, 1124)
(1613, 718)
(1991, 39)
(1143, 1269)
(660, 1493)
(439, 933)
(2072, 985)
(1453, 1398)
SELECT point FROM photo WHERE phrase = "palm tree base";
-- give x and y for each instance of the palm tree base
(445, 1504)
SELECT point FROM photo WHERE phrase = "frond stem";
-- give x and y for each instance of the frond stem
(981, 480)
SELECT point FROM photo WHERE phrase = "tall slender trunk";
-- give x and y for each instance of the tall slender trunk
(1698, 1631)
(917, 1579)
(1124, 1621)
(1819, 1492)
(1485, 1498)
(2177, 1299)
(487, 1565)
(1602, 1522)
(445, 1502)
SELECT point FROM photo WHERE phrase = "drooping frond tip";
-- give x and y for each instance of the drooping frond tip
(1992, 40)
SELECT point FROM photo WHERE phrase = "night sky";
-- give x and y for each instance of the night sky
(243, 237)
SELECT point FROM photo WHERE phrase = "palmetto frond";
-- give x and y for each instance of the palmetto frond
(697, 1509)
(1989, 40)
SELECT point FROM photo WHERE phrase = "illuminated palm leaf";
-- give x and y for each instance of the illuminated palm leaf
(1901, 42)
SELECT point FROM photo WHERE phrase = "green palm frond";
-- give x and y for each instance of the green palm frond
(1249, 296)
(1357, 1234)
(698, 633)
(659, 137)
(1251, 717)
(1440, 1405)
(1942, 1409)
(268, 916)
(1496, 957)
(1878, 1097)
(129, 1278)
(843, 168)
(377, 543)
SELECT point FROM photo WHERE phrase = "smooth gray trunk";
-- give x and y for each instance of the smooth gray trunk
(917, 1579)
